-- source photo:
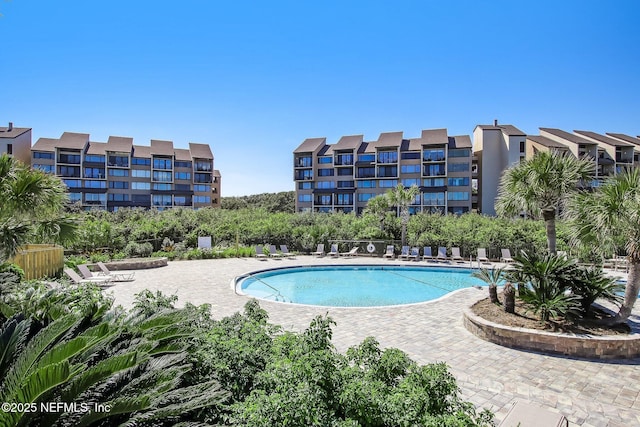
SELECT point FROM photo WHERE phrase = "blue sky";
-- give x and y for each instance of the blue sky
(254, 79)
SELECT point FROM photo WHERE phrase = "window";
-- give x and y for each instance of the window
(181, 201)
(305, 185)
(304, 198)
(387, 171)
(345, 171)
(364, 197)
(140, 161)
(433, 155)
(9, 148)
(303, 162)
(368, 172)
(161, 187)
(95, 184)
(410, 169)
(459, 152)
(182, 187)
(344, 159)
(325, 172)
(119, 161)
(117, 197)
(344, 199)
(44, 168)
(140, 173)
(408, 155)
(324, 199)
(325, 184)
(434, 170)
(345, 184)
(202, 188)
(162, 176)
(367, 184)
(120, 185)
(42, 155)
(458, 182)
(304, 174)
(457, 210)
(388, 183)
(94, 173)
(71, 171)
(203, 165)
(141, 198)
(387, 157)
(160, 163)
(161, 200)
(366, 157)
(69, 158)
(183, 175)
(182, 164)
(433, 199)
(118, 172)
(323, 160)
(202, 177)
(201, 199)
(411, 181)
(458, 195)
(75, 197)
(522, 148)
(95, 197)
(433, 182)
(141, 186)
(458, 167)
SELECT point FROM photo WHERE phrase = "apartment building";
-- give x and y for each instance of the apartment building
(117, 173)
(344, 176)
(16, 142)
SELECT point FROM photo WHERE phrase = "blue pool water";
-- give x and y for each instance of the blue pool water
(356, 286)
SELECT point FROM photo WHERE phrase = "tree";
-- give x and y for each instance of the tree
(378, 206)
(402, 198)
(492, 278)
(603, 217)
(540, 187)
(31, 208)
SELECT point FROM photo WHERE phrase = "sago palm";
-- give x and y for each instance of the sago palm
(402, 197)
(540, 187)
(606, 216)
(492, 277)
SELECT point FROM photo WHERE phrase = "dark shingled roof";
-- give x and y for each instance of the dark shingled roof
(624, 137)
(97, 148)
(604, 139)
(543, 140)
(506, 129)
(15, 132)
(45, 144)
(460, 141)
(310, 144)
(161, 148)
(200, 151)
(143, 151)
(568, 136)
(120, 144)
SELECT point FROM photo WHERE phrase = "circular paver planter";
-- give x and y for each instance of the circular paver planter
(137, 263)
(584, 346)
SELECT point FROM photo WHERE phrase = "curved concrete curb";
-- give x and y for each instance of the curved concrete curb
(583, 346)
(136, 263)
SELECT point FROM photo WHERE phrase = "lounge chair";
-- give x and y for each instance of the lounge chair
(426, 253)
(319, 250)
(260, 252)
(414, 254)
(334, 250)
(273, 252)
(506, 255)
(100, 281)
(404, 252)
(525, 414)
(285, 252)
(442, 254)
(116, 277)
(85, 272)
(352, 252)
(482, 255)
(455, 255)
(390, 252)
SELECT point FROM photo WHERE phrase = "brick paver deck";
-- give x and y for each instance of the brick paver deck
(588, 393)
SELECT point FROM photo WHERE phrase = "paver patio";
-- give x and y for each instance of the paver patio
(588, 393)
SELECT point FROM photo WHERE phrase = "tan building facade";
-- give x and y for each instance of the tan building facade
(117, 173)
(16, 142)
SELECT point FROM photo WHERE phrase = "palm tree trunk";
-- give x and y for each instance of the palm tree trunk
(630, 294)
(550, 226)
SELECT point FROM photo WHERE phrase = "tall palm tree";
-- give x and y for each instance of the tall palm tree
(32, 203)
(600, 219)
(402, 197)
(540, 187)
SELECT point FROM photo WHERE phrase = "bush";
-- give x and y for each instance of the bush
(138, 250)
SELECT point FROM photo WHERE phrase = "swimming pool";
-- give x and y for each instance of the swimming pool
(355, 285)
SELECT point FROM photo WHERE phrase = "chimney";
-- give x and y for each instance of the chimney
(495, 122)
(10, 128)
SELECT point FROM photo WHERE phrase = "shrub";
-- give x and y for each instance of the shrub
(138, 250)
(591, 283)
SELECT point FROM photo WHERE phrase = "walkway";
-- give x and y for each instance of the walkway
(588, 393)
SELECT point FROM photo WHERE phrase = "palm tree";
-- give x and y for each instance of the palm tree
(378, 206)
(602, 218)
(401, 198)
(31, 208)
(492, 277)
(540, 187)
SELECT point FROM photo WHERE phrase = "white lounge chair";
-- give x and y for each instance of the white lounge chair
(482, 255)
(116, 277)
(260, 252)
(506, 255)
(100, 281)
(442, 254)
(525, 414)
(273, 252)
(404, 253)
(426, 253)
(285, 252)
(334, 250)
(455, 255)
(390, 252)
(352, 252)
(319, 250)
(414, 254)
